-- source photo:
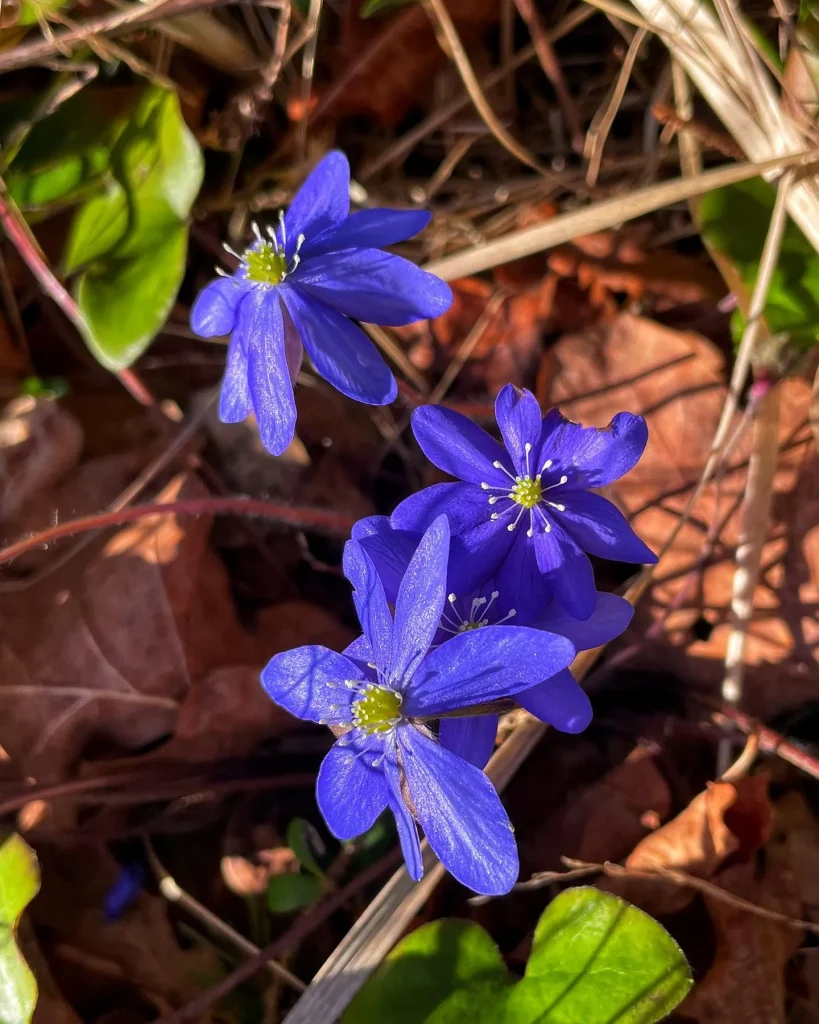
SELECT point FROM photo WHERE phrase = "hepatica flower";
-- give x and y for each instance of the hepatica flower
(556, 699)
(383, 693)
(523, 510)
(299, 286)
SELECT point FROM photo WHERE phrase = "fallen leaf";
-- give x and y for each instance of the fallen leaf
(746, 981)
(131, 643)
(40, 443)
(677, 381)
(728, 821)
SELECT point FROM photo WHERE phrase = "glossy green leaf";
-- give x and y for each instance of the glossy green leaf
(597, 959)
(443, 968)
(292, 891)
(735, 221)
(131, 242)
(371, 7)
(19, 882)
(68, 153)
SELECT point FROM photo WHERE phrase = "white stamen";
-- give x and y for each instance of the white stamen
(564, 479)
(554, 504)
(254, 227)
(521, 510)
(231, 251)
(503, 469)
(221, 272)
(299, 242)
(527, 448)
(452, 598)
(495, 515)
(283, 228)
(294, 263)
(509, 615)
(546, 464)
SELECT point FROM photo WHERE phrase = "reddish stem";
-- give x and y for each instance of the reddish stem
(305, 517)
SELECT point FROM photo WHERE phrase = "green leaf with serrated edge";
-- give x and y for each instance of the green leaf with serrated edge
(598, 960)
(19, 883)
(735, 221)
(595, 960)
(126, 301)
(293, 891)
(128, 287)
(371, 7)
(431, 966)
(301, 838)
(67, 154)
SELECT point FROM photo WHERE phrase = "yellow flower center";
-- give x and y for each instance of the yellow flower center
(378, 710)
(527, 492)
(264, 264)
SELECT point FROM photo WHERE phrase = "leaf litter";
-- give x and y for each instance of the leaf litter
(132, 669)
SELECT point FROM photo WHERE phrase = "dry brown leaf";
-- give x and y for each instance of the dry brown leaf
(676, 380)
(114, 648)
(40, 442)
(746, 982)
(728, 821)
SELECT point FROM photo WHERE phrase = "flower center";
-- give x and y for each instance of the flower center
(264, 264)
(378, 710)
(527, 492)
(479, 615)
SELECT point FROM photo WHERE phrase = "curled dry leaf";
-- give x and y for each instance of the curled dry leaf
(677, 381)
(728, 821)
(746, 981)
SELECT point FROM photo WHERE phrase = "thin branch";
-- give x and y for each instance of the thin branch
(303, 517)
(440, 14)
(770, 742)
(174, 893)
(551, 68)
(303, 927)
(606, 214)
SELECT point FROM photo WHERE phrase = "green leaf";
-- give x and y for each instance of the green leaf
(302, 839)
(34, 11)
(68, 153)
(598, 960)
(371, 7)
(595, 960)
(132, 241)
(19, 882)
(289, 892)
(734, 221)
(437, 970)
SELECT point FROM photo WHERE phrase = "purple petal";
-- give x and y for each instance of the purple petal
(471, 738)
(350, 792)
(520, 582)
(309, 681)
(370, 602)
(340, 351)
(404, 822)
(591, 456)
(390, 550)
(368, 229)
(361, 652)
(610, 618)
(560, 701)
(601, 528)
(213, 313)
(321, 202)
(566, 570)
(261, 331)
(420, 602)
(235, 403)
(483, 541)
(458, 446)
(374, 286)
(482, 665)
(461, 815)
(518, 415)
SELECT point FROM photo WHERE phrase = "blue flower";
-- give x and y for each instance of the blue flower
(558, 699)
(385, 689)
(524, 512)
(300, 286)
